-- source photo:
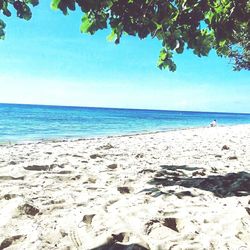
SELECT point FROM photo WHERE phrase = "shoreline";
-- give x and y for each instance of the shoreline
(182, 189)
(80, 138)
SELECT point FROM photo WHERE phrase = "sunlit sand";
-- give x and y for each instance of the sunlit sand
(184, 189)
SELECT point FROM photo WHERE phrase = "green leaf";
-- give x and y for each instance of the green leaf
(180, 48)
(54, 4)
(27, 14)
(165, 60)
(2, 34)
(23, 10)
(5, 10)
(163, 55)
(2, 24)
(34, 2)
(86, 24)
(112, 36)
(222, 43)
(172, 66)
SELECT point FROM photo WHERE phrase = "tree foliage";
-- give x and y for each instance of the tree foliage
(199, 25)
(240, 52)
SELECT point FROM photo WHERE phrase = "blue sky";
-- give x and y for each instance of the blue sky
(48, 61)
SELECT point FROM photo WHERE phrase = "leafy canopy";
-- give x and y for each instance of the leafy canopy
(199, 25)
(240, 53)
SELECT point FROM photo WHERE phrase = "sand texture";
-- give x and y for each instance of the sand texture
(186, 189)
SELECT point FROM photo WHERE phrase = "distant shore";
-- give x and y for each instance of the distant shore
(180, 189)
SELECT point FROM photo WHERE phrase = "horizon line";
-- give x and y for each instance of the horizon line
(122, 108)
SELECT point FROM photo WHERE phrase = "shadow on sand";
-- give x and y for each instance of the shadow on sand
(231, 184)
(117, 246)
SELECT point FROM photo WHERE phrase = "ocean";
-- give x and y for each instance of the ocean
(21, 122)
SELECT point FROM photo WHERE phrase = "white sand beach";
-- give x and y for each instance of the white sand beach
(183, 189)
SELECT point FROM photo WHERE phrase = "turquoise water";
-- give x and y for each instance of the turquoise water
(34, 122)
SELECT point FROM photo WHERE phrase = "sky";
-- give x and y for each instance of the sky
(48, 61)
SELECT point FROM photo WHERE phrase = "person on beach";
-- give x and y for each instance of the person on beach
(213, 123)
